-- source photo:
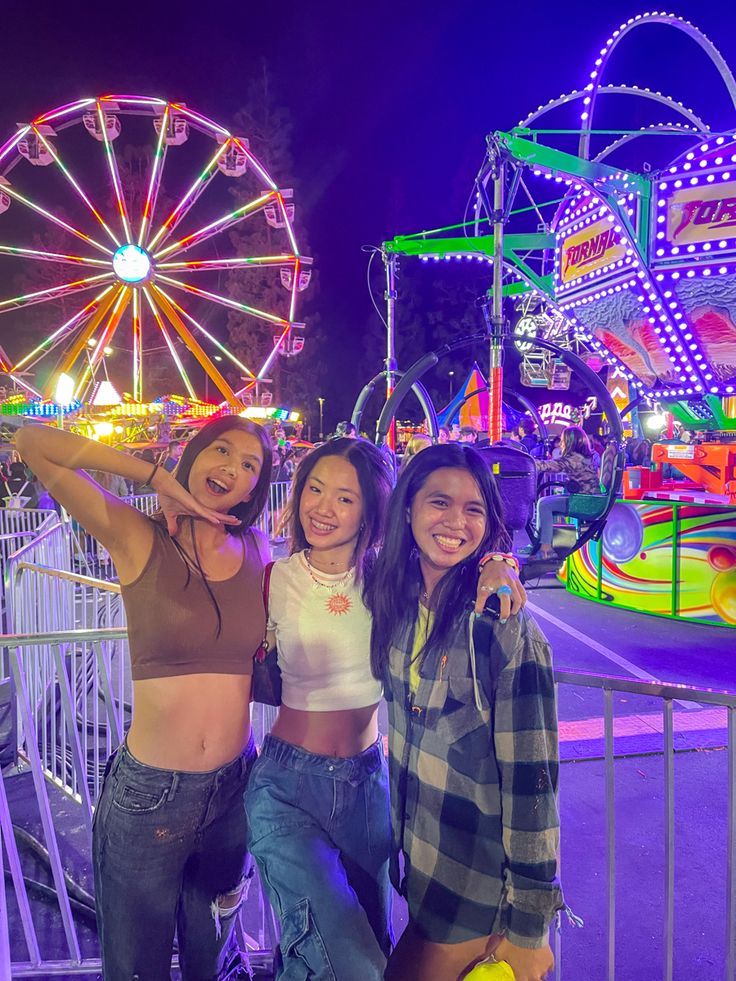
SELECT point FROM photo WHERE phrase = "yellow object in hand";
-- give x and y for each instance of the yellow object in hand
(491, 971)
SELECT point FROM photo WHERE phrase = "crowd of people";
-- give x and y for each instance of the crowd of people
(379, 596)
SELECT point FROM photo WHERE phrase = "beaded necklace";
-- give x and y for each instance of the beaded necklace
(337, 602)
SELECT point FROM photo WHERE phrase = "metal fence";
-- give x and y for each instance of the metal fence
(81, 679)
(667, 694)
(73, 698)
(18, 526)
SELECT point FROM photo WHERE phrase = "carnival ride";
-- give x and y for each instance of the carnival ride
(632, 265)
(152, 216)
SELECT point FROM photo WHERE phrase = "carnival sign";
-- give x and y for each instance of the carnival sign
(702, 214)
(593, 247)
(565, 414)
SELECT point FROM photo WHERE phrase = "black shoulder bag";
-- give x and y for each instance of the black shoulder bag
(266, 685)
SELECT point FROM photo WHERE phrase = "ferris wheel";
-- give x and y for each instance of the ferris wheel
(140, 219)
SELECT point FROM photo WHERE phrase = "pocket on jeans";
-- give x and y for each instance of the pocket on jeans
(301, 941)
(136, 800)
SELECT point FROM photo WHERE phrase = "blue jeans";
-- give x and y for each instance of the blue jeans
(547, 508)
(319, 828)
(170, 854)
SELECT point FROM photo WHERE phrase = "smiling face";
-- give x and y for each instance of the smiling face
(226, 471)
(448, 521)
(331, 506)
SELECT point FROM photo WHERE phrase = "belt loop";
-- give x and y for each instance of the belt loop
(174, 786)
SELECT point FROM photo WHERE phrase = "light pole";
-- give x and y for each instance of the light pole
(450, 376)
(321, 426)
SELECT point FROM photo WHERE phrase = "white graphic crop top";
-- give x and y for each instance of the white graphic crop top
(323, 636)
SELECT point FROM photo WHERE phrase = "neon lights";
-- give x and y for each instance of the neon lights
(156, 172)
(52, 293)
(219, 225)
(132, 264)
(122, 262)
(67, 174)
(16, 195)
(114, 174)
(225, 301)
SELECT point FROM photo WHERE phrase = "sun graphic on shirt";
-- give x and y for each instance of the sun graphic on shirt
(338, 604)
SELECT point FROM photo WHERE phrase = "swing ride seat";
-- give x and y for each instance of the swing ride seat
(516, 479)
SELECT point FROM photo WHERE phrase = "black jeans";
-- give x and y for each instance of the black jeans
(170, 854)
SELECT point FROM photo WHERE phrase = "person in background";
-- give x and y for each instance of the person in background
(473, 758)
(169, 838)
(443, 435)
(639, 453)
(417, 442)
(528, 437)
(468, 434)
(576, 462)
(345, 429)
(147, 456)
(172, 455)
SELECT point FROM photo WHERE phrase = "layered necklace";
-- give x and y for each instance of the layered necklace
(337, 602)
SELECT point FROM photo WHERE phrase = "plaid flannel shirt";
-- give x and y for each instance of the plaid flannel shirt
(473, 789)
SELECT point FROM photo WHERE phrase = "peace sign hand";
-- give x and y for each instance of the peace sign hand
(176, 502)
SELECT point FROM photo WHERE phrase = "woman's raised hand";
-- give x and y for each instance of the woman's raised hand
(175, 502)
(494, 576)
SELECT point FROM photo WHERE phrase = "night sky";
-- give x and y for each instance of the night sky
(390, 102)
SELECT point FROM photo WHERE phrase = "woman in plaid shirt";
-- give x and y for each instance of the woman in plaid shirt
(473, 754)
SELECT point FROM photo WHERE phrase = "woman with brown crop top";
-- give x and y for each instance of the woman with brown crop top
(169, 842)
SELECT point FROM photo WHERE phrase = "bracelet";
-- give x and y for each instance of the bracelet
(506, 557)
(149, 482)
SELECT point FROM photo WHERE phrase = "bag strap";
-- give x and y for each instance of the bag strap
(267, 570)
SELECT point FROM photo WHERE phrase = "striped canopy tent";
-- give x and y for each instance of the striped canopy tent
(472, 411)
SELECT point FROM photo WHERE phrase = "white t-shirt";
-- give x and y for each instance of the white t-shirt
(323, 635)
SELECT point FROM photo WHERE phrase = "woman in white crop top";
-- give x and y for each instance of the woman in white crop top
(317, 800)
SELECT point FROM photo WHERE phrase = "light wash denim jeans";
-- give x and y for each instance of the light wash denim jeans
(170, 854)
(320, 830)
(547, 508)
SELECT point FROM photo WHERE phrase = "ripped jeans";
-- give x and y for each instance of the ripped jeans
(319, 828)
(170, 854)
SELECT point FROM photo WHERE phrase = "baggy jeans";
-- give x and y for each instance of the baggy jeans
(319, 828)
(170, 854)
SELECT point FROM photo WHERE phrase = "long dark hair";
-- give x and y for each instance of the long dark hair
(248, 511)
(374, 478)
(393, 590)
(576, 440)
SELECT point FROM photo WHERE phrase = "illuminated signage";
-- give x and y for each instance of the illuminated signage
(702, 214)
(593, 247)
(562, 413)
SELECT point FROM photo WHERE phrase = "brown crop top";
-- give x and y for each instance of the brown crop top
(172, 624)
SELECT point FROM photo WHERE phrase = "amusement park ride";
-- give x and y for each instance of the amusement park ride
(151, 251)
(639, 265)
